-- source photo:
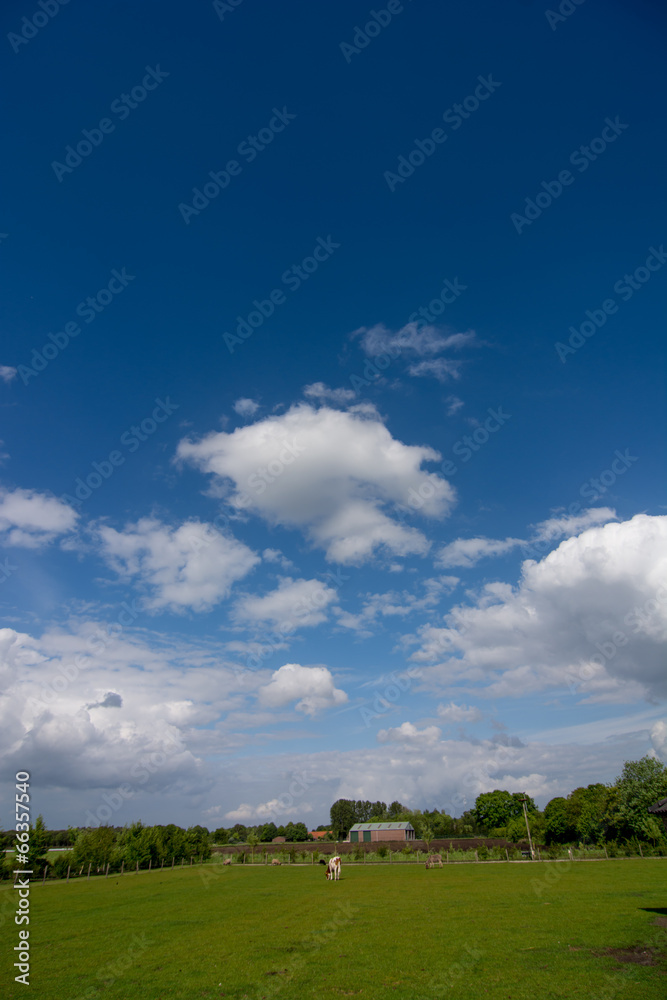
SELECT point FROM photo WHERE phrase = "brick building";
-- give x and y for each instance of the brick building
(372, 832)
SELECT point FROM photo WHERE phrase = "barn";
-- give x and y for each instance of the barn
(371, 832)
(658, 808)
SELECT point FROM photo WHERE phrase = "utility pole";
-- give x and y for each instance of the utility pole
(525, 816)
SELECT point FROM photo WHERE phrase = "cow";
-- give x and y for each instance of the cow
(433, 860)
(227, 861)
(333, 868)
(274, 861)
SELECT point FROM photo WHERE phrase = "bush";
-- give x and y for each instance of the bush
(483, 853)
(60, 865)
(383, 851)
(358, 853)
(407, 851)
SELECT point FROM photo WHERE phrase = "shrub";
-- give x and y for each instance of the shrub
(383, 851)
(407, 851)
(358, 853)
(60, 865)
(483, 853)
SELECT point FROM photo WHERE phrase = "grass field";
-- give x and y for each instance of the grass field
(519, 931)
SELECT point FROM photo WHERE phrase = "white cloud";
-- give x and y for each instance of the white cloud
(311, 687)
(335, 475)
(468, 551)
(394, 604)
(7, 373)
(322, 392)
(572, 524)
(29, 519)
(440, 368)
(192, 566)
(411, 339)
(409, 734)
(591, 615)
(266, 812)
(454, 404)
(294, 603)
(458, 713)
(659, 738)
(246, 407)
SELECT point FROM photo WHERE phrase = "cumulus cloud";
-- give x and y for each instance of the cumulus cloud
(408, 734)
(29, 519)
(335, 475)
(322, 392)
(246, 407)
(458, 713)
(296, 603)
(191, 566)
(7, 373)
(591, 615)
(311, 687)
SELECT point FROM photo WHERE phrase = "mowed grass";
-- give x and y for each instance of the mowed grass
(495, 931)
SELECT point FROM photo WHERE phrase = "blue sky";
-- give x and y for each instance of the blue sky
(333, 402)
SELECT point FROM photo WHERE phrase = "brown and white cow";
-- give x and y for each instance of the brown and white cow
(433, 860)
(274, 861)
(333, 868)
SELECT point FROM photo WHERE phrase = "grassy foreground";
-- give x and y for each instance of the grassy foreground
(494, 931)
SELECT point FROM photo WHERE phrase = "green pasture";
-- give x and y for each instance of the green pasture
(465, 931)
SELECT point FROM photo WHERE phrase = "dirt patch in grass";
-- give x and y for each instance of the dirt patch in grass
(637, 955)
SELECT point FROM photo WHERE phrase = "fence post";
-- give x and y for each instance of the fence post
(150, 862)
(88, 875)
(162, 865)
(173, 860)
(68, 868)
(122, 867)
(507, 853)
(44, 879)
(641, 853)
(107, 874)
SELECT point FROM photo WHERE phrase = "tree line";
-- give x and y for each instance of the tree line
(593, 814)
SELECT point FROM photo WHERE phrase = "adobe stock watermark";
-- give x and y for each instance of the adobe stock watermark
(292, 278)
(566, 9)
(464, 448)
(375, 367)
(387, 697)
(378, 20)
(454, 117)
(249, 149)
(30, 26)
(637, 620)
(625, 288)
(274, 640)
(122, 107)
(222, 7)
(97, 641)
(146, 765)
(88, 310)
(580, 158)
(131, 439)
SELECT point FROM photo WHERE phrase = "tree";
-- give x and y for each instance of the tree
(497, 808)
(296, 832)
(395, 810)
(427, 835)
(94, 846)
(641, 783)
(343, 816)
(268, 832)
(38, 845)
(557, 828)
(253, 841)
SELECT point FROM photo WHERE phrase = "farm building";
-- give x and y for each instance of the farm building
(370, 832)
(659, 808)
